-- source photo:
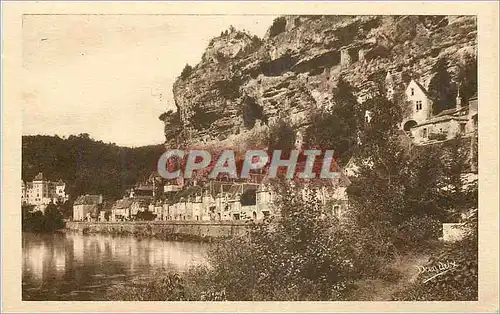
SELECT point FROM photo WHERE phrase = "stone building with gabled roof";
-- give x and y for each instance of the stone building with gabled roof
(121, 210)
(87, 208)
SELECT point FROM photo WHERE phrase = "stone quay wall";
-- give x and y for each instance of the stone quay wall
(176, 230)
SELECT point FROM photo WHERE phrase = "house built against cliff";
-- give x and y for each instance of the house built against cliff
(425, 128)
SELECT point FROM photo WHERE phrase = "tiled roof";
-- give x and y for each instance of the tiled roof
(88, 200)
(422, 88)
(123, 203)
(141, 201)
(215, 187)
(450, 111)
(242, 188)
(192, 190)
(438, 119)
(144, 187)
(93, 210)
(107, 205)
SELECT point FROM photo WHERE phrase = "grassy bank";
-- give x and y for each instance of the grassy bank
(399, 280)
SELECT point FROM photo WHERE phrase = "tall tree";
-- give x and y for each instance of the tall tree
(336, 128)
(467, 77)
(441, 88)
(281, 136)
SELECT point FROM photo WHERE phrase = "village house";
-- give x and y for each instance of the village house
(139, 204)
(425, 128)
(121, 210)
(242, 202)
(87, 207)
(190, 203)
(220, 191)
(264, 199)
(41, 192)
(159, 209)
(420, 105)
(105, 212)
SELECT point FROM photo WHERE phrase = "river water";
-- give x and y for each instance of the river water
(74, 266)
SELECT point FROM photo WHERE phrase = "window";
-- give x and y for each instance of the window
(424, 132)
(419, 105)
(412, 91)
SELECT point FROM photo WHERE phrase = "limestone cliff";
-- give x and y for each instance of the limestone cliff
(243, 81)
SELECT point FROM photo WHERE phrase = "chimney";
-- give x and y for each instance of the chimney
(459, 99)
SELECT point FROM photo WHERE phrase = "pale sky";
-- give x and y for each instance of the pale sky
(111, 75)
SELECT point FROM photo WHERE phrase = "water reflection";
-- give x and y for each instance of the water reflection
(81, 267)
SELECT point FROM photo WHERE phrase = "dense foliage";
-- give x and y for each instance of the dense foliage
(87, 165)
(303, 255)
(186, 72)
(443, 86)
(337, 127)
(281, 137)
(460, 281)
(49, 221)
(278, 26)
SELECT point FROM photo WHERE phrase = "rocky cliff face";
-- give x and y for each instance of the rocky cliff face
(244, 83)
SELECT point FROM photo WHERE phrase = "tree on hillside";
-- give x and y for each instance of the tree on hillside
(251, 111)
(441, 89)
(336, 128)
(86, 165)
(281, 136)
(383, 125)
(346, 104)
(186, 72)
(467, 77)
(278, 26)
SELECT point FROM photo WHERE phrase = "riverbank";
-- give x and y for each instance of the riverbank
(203, 231)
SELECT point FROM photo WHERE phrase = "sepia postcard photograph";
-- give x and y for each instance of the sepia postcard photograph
(242, 157)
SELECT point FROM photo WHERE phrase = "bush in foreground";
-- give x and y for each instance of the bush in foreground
(459, 283)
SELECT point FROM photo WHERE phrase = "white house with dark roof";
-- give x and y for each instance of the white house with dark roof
(87, 208)
(121, 210)
(425, 128)
(420, 105)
